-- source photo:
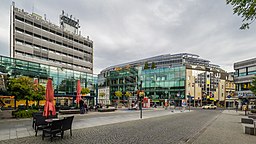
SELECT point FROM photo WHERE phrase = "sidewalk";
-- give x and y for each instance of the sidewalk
(226, 129)
(11, 129)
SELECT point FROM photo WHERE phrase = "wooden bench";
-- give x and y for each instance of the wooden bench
(106, 109)
(247, 120)
(71, 111)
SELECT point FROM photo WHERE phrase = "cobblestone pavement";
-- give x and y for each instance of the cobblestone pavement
(18, 128)
(177, 128)
(227, 129)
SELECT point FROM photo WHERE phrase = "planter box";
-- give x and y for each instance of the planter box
(106, 109)
(73, 111)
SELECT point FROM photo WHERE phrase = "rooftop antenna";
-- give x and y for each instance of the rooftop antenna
(33, 7)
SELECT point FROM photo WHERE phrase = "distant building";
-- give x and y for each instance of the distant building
(176, 77)
(230, 90)
(244, 73)
(36, 39)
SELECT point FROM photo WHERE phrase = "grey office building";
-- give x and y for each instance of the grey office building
(244, 73)
(36, 39)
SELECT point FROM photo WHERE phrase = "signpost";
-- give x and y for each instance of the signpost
(189, 101)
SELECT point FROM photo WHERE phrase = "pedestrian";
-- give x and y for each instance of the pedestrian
(183, 106)
(85, 107)
(236, 103)
(81, 105)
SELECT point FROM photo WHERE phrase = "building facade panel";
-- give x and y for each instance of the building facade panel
(46, 38)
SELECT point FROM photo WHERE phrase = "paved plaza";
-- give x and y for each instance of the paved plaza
(13, 128)
(157, 126)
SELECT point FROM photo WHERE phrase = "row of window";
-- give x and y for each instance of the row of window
(243, 86)
(46, 59)
(53, 31)
(245, 71)
(50, 40)
(45, 49)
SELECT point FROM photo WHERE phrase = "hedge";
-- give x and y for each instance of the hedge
(24, 113)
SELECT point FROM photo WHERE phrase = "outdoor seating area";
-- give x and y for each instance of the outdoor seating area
(51, 126)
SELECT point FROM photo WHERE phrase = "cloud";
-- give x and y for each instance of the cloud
(125, 31)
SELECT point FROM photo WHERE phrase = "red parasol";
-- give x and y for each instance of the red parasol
(49, 108)
(78, 90)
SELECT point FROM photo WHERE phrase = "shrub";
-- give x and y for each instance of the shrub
(24, 113)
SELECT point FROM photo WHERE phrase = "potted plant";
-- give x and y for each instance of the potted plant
(85, 91)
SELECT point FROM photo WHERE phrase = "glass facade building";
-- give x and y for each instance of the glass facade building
(158, 84)
(164, 83)
(175, 77)
(64, 80)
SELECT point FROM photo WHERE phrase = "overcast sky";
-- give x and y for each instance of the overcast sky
(128, 30)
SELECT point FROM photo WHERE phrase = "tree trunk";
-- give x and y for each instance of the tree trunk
(15, 102)
(118, 102)
(38, 103)
(26, 104)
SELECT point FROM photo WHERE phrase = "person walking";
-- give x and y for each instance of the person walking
(85, 107)
(81, 104)
(183, 106)
(236, 103)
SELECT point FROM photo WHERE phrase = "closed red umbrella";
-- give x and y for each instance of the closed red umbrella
(49, 108)
(78, 90)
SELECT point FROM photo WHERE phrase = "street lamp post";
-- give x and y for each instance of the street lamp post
(141, 107)
(194, 94)
(141, 95)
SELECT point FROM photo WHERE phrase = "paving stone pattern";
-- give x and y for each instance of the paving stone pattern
(172, 128)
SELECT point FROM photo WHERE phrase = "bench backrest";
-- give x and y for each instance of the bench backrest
(40, 120)
(67, 123)
(56, 125)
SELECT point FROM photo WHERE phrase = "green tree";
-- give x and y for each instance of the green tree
(253, 85)
(253, 88)
(146, 65)
(128, 94)
(246, 9)
(118, 94)
(39, 93)
(85, 91)
(153, 65)
(21, 88)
